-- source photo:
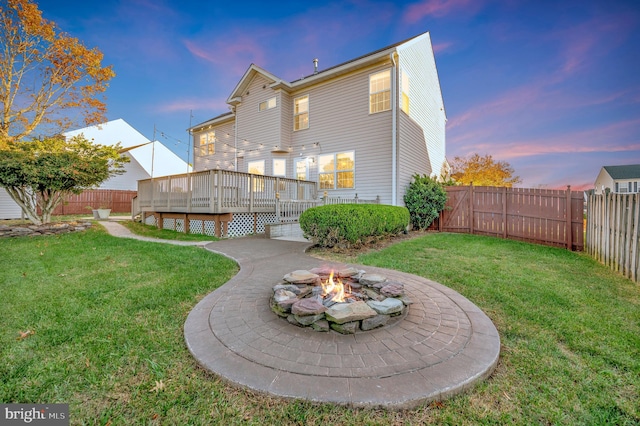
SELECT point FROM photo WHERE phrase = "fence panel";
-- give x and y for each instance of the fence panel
(613, 231)
(549, 217)
(119, 201)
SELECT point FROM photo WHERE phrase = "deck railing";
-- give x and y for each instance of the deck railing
(220, 191)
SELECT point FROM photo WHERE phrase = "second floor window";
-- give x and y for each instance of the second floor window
(301, 113)
(268, 104)
(207, 145)
(404, 89)
(380, 91)
(337, 171)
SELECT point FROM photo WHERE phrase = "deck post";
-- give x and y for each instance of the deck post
(219, 190)
(169, 193)
(251, 192)
(189, 191)
(212, 191)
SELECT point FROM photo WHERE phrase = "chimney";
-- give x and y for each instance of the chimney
(315, 66)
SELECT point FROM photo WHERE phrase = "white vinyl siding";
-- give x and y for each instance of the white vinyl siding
(420, 153)
(346, 125)
(258, 131)
(8, 208)
(225, 153)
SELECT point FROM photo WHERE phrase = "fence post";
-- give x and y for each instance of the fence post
(278, 218)
(471, 208)
(504, 212)
(568, 218)
(634, 237)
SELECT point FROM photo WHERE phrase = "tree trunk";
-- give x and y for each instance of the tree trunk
(29, 201)
(23, 199)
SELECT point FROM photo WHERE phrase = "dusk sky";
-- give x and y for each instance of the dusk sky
(552, 87)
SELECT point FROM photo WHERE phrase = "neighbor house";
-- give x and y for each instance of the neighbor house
(364, 127)
(147, 159)
(619, 179)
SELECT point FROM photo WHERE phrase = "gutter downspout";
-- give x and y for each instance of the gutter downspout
(394, 131)
(235, 139)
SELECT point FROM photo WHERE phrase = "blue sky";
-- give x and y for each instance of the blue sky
(552, 87)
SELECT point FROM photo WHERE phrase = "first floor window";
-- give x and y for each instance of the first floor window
(207, 143)
(337, 171)
(256, 168)
(302, 169)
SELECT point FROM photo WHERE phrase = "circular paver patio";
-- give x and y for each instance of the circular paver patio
(444, 345)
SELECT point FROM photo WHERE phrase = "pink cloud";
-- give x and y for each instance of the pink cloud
(438, 8)
(607, 138)
(441, 47)
(585, 44)
(181, 105)
(234, 53)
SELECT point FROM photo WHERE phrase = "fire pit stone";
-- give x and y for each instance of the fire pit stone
(353, 301)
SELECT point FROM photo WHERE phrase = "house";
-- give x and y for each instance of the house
(619, 179)
(147, 159)
(362, 128)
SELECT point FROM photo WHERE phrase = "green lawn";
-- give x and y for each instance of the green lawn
(107, 316)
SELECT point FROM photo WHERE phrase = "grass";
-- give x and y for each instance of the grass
(107, 316)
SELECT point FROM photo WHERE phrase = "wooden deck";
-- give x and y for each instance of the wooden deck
(219, 192)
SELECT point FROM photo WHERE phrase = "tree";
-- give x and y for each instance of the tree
(39, 174)
(45, 75)
(483, 171)
(425, 198)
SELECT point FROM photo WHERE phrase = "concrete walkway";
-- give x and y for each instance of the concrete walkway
(444, 345)
(117, 230)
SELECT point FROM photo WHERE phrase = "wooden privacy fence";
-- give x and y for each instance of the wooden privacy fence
(119, 201)
(613, 234)
(541, 216)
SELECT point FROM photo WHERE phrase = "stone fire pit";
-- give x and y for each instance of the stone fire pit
(345, 300)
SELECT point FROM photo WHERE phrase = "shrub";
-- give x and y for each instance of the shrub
(351, 225)
(425, 198)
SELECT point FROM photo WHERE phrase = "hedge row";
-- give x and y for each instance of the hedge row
(351, 225)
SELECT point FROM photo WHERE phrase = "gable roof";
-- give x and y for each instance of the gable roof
(317, 77)
(631, 171)
(236, 94)
(155, 158)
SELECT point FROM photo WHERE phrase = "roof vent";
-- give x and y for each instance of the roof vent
(315, 66)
